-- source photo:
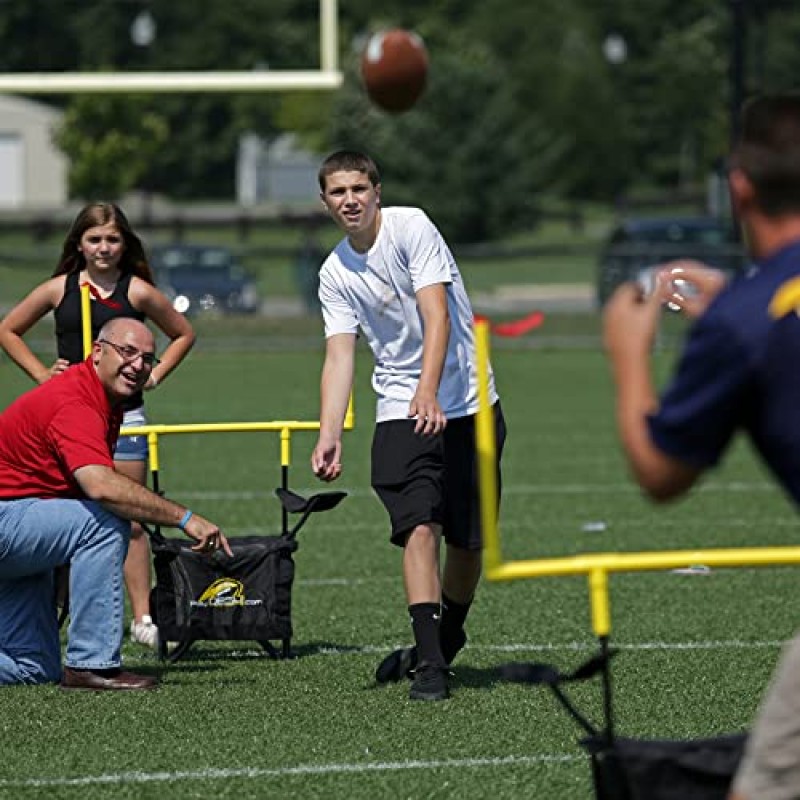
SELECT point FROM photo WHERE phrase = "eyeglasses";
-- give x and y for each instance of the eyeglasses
(128, 353)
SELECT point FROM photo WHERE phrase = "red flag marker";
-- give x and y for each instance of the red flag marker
(517, 327)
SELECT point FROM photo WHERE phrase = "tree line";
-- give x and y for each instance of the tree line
(571, 99)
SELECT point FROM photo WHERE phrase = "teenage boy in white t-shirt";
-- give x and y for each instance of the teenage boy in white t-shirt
(394, 278)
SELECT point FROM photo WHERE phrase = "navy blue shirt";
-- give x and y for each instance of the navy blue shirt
(740, 369)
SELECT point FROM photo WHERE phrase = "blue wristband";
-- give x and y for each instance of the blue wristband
(186, 517)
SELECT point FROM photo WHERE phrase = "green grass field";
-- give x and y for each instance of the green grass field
(228, 722)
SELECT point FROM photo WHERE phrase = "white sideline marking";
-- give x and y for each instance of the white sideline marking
(346, 581)
(515, 647)
(526, 647)
(734, 644)
(303, 769)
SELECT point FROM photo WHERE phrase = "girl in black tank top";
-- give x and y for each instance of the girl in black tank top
(69, 324)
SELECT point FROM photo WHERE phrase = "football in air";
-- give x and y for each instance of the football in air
(394, 68)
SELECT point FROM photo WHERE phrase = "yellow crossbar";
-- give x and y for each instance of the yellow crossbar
(284, 427)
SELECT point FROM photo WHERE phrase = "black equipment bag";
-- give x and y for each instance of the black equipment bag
(638, 769)
(248, 596)
(214, 596)
(652, 769)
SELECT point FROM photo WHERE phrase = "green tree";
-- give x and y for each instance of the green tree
(36, 35)
(110, 141)
(552, 53)
(687, 132)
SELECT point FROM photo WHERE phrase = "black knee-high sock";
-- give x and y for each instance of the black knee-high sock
(451, 632)
(425, 620)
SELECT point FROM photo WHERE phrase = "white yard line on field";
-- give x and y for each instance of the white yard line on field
(282, 772)
(539, 647)
(511, 647)
(733, 644)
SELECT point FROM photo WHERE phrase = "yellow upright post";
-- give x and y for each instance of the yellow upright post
(86, 320)
(152, 448)
(599, 600)
(487, 453)
(286, 446)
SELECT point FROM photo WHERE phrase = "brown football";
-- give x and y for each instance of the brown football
(394, 67)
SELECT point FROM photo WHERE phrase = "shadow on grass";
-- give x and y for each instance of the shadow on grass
(476, 677)
(461, 678)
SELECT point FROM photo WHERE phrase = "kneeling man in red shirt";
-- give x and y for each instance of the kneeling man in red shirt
(61, 502)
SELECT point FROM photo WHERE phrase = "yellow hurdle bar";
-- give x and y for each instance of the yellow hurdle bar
(86, 320)
(220, 427)
(595, 566)
(646, 561)
(284, 427)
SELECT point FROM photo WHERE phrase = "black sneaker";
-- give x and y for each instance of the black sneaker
(430, 682)
(401, 663)
(397, 665)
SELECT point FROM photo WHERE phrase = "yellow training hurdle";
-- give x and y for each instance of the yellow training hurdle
(596, 566)
(284, 427)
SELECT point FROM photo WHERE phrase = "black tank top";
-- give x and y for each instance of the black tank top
(69, 329)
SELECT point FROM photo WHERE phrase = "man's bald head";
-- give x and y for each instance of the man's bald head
(124, 356)
(123, 326)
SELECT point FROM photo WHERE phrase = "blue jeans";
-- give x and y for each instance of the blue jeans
(132, 448)
(35, 537)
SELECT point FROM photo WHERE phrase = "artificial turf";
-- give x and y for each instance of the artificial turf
(695, 651)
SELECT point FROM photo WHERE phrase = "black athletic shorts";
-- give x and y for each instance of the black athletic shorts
(422, 479)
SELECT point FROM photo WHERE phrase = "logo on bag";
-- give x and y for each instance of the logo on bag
(224, 592)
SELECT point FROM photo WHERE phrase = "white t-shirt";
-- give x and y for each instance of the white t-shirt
(376, 292)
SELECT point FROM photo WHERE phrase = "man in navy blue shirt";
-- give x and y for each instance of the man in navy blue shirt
(740, 370)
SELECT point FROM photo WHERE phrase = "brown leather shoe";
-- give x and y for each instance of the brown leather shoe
(106, 679)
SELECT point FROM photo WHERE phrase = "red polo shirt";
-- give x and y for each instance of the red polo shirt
(49, 432)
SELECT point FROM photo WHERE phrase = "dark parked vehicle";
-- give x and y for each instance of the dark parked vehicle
(204, 278)
(639, 244)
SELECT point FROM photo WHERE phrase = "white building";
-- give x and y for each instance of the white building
(33, 172)
(279, 171)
